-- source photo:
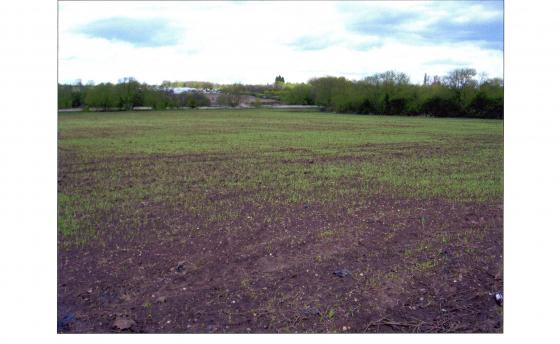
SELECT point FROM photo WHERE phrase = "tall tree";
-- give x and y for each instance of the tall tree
(129, 92)
(461, 78)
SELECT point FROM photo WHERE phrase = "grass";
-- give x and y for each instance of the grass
(115, 168)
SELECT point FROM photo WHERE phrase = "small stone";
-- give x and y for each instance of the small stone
(499, 297)
(122, 324)
(342, 273)
(161, 299)
(344, 328)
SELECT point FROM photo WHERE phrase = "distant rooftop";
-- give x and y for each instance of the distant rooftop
(178, 90)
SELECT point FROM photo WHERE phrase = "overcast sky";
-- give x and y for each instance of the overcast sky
(252, 42)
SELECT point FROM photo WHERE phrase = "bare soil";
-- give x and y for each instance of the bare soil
(410, 266)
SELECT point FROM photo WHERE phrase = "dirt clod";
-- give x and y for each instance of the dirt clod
(180, 267)
(311, 311)
(64, 323)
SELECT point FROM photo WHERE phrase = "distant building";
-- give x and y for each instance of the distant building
(179, 90)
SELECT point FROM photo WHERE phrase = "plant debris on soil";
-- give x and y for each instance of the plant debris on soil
(270, 221)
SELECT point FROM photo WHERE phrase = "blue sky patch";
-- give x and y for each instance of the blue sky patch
(490, 34)
(139, 32)
(487, 33)
(383, 24)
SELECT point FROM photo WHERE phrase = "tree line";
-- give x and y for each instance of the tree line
(457, 94)
(125, 95)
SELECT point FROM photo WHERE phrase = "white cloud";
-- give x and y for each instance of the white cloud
(253, 42)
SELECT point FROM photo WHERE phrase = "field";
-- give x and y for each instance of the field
(259, 220)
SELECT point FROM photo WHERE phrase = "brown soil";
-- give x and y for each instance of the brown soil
(415, 266)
